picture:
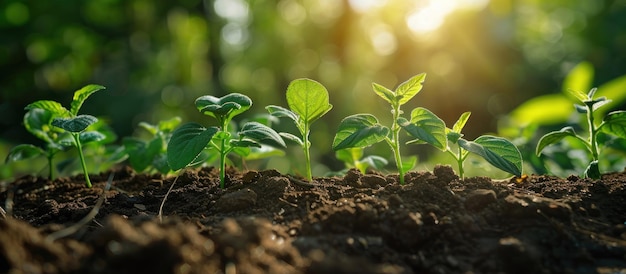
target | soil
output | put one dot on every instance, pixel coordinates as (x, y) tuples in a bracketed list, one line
[(267, 222)]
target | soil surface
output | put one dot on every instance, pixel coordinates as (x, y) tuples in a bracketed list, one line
[(267, 222)]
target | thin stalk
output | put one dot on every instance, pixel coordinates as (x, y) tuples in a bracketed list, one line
[(307, 154), (592, 133), (395, 128), (222, 162), (50, 167), (82, 158), (460, 162)]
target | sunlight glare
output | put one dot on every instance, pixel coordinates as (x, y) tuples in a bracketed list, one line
[(429, 17)]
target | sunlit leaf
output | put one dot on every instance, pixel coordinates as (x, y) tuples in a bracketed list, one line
[(264, 152), (579, 79), (81, 95), (262, 133), (278, 111), (308, 99), (554, 137), (460, 123), (74, 124), (408, 164), (427, 127), (54, 107), (407, 90), (543, 110), (615, 123), (384, 93), (359, 130), (499, 152), (291, 137), (224, 108), (187, 143)]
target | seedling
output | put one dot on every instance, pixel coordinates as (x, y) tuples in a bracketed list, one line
[(151, 154), (308, 101), (614, 123), (499, 152), (189, 140), (363, 130), (53, 113), (353, 158)]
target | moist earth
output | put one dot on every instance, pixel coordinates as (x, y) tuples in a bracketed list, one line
[(267, 222)]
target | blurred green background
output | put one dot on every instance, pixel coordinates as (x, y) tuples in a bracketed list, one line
[(156, 57)]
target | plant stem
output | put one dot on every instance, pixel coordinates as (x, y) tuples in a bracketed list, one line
[(50, 168), (306, 147), (222, 163), (82, 158), (460, 162), (395, 128), (592, 133)]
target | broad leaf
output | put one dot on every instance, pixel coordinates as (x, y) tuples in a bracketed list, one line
[(224, 108), (24, 152), (359, 130), (37, 122), (54, 107), (407, 90), (615, 123), (74, 124), (308, 99), (384, 93), (187, 143), (554, 137), (427, 127), (277, 111), (499, 152), (91, 136), (262, 133), (138, 159), (81, 95)]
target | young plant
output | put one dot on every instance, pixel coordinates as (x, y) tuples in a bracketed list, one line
[(498, 151), (308, 101), (189, 140), (613, 123), (54, 114), (151, 154), (353, 158), (362, 130)]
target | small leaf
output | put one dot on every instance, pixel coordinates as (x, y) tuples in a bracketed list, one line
[(245, 143), (427, 127), (384, 93), (308, 99), (54, 107), (359, 130), (615, 123), (81, 95), (593, 171), (169, 125), (407, 90), (598, 103), (225, 107), (74, 124), (579, 78), (138, 159), (408, 164), (262, 133), (460, 123), (499, 152), (187, 143), (375, 161), (581, 96), (264, 152), (91, 136), (349, 155), (592, 93), (24, 152), (280, 112), (291, 137), (554, 137), (37, 122)]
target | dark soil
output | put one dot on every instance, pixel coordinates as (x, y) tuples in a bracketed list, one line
[(265, 222)]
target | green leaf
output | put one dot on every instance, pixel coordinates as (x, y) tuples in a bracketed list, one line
[(187, 143), (37, 122), (375, 161), (349, 155), (593, 171), (384, 93), (91, 136), (245, 143), (579, 78), (81, 95), (262, 133), (308, 99), (426, 127), (499, 152), (169, 125), (554, 137), (542, 110), (24, 152), (579, 95), (280, 112), (264, 152), (138, 159), (407, 90), (408, 164), (224, 108), (74, 124), (615, 123), (460, 123), (54, 107), (359, 130), (291, 137)]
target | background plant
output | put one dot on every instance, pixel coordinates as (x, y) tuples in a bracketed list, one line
[(353, 158), (614, 123), (189, 140), (362, 130), (151, 154), (307, 101), (498, 151)]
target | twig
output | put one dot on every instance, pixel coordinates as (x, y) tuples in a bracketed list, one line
[(92, 214), (301, 182), (165, 198)]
